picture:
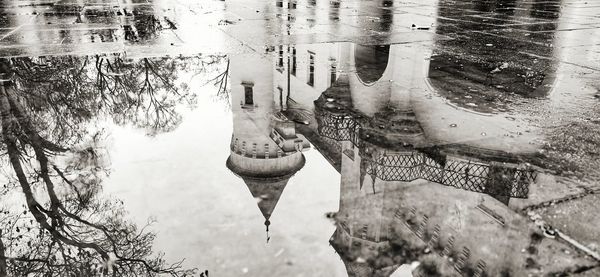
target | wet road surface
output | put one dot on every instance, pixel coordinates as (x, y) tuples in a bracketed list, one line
[(299, 138)]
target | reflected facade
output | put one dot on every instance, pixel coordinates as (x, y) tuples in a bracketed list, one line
[(404, 196)]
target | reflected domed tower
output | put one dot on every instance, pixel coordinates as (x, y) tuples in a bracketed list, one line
[(265, 149)]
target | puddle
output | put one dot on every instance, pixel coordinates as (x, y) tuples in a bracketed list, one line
[(369, 150)]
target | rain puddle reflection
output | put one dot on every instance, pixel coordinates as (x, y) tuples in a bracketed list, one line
[(461, 144)]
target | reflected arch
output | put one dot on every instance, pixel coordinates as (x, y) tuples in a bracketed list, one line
[(371, 61), (370, 68)]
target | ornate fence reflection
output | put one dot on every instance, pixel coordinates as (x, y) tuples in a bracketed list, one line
[(494, 178)]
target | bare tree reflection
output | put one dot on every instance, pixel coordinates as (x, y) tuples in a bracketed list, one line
[(66, 227), (221, 79), (73, 90)]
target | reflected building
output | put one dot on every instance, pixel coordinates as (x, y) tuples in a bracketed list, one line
[(364, 123), (386, 157), (403, 194), (410, 190), (405, 198), (266, 151)]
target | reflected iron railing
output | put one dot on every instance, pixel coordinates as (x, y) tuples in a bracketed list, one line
[(490, 178), (494, 178), (340, 127)]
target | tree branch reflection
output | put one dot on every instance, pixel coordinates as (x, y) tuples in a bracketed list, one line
[(47, 107)]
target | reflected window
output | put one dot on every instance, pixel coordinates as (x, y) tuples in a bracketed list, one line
[(332, 74), (311, 68), (280, 90), (248, 94), (292, 4), (294, 62), (280, 61)]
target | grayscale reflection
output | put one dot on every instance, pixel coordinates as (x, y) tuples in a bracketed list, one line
[(299, 138)]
